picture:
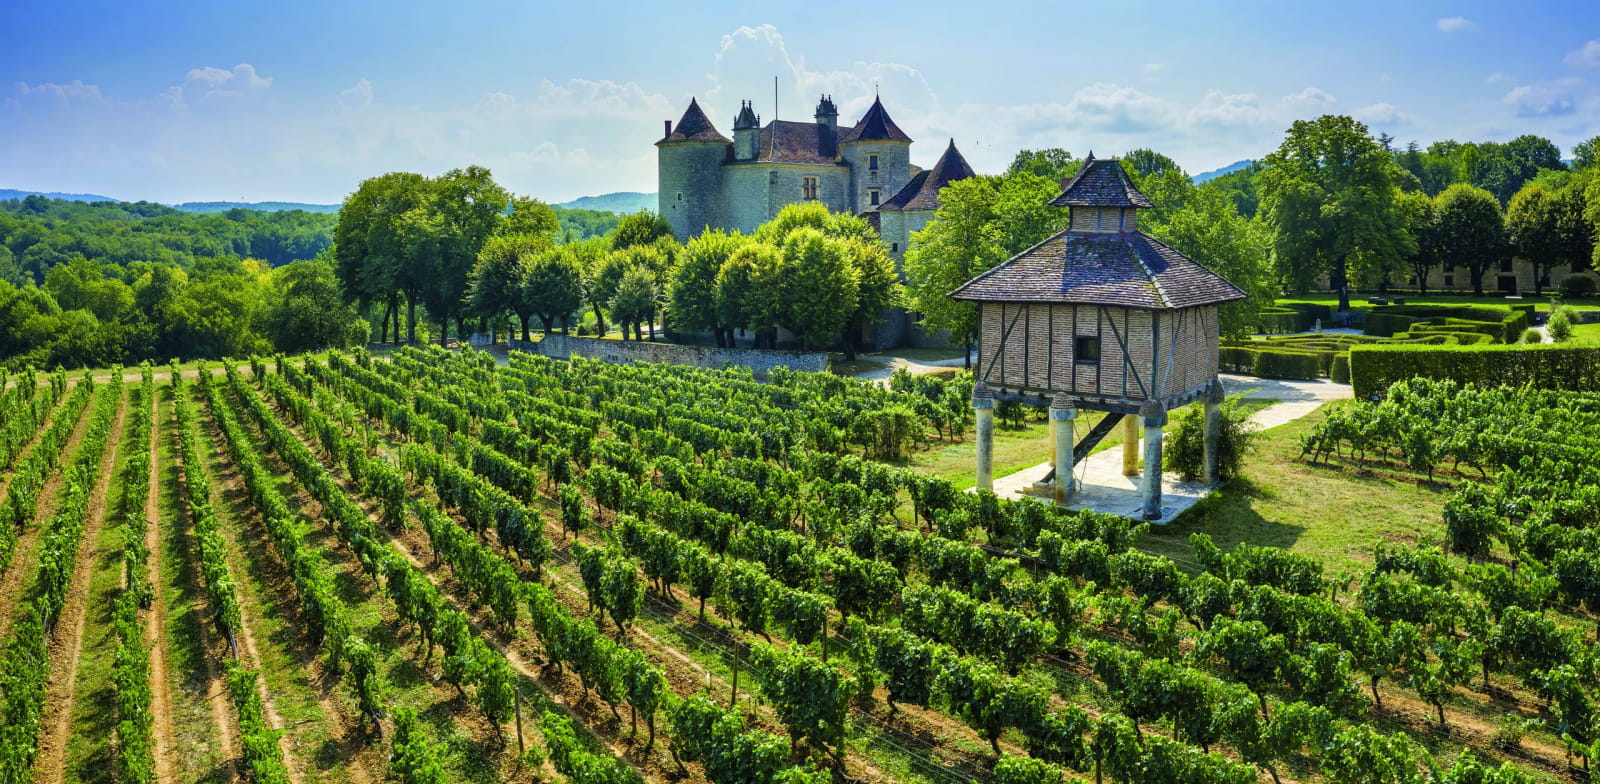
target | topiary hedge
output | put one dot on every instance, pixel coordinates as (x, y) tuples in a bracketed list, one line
[(1341, 368), (1384, 324), (1279, 321), (1374, 368)]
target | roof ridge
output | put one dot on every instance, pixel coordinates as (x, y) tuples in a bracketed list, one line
[(1154, 283)]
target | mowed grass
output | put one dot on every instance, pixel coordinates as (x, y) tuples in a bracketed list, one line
[(1493, 300), (1334, 514)]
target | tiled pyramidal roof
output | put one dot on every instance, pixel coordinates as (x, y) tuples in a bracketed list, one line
[(922, 192), (1125, 268), (1101, 183), (695, 126), (875, 125)]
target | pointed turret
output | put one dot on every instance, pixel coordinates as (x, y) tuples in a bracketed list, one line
[(694, 126), (746, 133), (747, 117), (922, 193), (875, 125)]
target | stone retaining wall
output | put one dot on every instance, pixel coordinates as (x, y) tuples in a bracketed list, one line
[(620, 352)]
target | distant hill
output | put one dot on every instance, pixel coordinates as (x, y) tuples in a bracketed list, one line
[(621, 203), (263, 206), (7, 194), (1213, 174)]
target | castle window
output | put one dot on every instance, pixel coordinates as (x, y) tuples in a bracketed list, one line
[(872, 162), (680, 196), (808, 188), (894, 247), (1086, 350), (872, 196)]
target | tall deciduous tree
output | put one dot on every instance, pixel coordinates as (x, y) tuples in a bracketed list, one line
[(1471, 230), (1416, 210), (1051, 163), (496, 284), (823, 286), (877, 287), (369, 250), (634, 302), (640, 228), (470, 209), (553, 287), (1328, 193), (692, 294)]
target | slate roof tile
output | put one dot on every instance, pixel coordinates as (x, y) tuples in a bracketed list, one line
[(922, 192), (1101, 183)]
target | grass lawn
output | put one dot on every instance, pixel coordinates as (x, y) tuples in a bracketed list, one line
[(1586, 333), (1336, 514)]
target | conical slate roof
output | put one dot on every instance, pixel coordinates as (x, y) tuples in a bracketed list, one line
[(875, 125), (695, 126), (1128, 269), (1101, 183), (922, 192)]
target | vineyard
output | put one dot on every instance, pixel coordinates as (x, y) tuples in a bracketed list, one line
[(434, 568)]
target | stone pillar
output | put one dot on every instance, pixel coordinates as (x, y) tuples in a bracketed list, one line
[(1213, 421), (1155, 418), (1130, 445), (1062, 416), (983, 405)]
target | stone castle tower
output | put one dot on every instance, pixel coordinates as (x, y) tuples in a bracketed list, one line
[(709, 181)]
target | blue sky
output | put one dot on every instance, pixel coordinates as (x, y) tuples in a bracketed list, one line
[(302, 100)]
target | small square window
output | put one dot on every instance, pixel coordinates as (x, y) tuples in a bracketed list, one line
[(1086, 350)]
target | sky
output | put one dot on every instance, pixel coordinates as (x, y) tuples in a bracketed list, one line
[(300, 101)]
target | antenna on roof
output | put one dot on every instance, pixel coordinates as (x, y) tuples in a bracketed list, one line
[(774, 117)]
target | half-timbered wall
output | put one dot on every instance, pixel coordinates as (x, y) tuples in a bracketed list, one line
[(1029, 346)]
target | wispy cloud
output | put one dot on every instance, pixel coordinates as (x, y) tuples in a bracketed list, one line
[(1455, 24), (1586, 56)]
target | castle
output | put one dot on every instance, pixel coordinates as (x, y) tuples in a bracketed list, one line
[(707, 180)]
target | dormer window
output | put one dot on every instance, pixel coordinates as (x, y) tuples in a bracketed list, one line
[(872, 164)]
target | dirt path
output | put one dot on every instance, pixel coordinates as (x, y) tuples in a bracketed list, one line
[(156, 618), (19, 572), (218, 700), (248, 653), (67, 647)]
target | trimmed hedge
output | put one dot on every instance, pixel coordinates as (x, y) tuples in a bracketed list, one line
[(1569, 368), (1341, 368), (1384, 324), (1279, 321), (1271, 363)]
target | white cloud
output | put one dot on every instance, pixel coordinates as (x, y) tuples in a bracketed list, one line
[(1455, 24), (71, 92), (1586, 56), (1382, 114), (1543, 99), (357, 97), (1497, 78), (1219, 110), (1154, 67), (1310, 97), (211, 82)]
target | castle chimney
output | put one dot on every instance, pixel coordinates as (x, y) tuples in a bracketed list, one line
[(667, 128)]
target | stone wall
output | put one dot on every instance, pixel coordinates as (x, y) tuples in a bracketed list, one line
[(759, 360)]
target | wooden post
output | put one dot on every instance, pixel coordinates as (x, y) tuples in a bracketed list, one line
[(1130, 445), (1062, 416), (983, 405), (1155, 418), (1214, 397)]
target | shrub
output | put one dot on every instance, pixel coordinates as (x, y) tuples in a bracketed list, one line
[(1574, 286), (1571, 368), (1277, 321), (1386, 324), (1185, 450), (1531, 336), (1340, 372), (1560, 324), (1286, 364)]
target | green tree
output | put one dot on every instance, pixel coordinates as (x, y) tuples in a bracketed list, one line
[(530, 216), (1417, 213), (553, 287), (470, 208), (634, 302), (692, 293), (496, 284), (640, 228), (1471, 230), (1328, 195), (1052, 163), (822, 288), (877, 287), (1144, 162), (309, 312), (369, 248), (1586, 153)]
